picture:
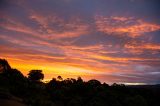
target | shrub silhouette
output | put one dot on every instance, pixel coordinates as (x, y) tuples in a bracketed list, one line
[(60, 78), (35, 75)]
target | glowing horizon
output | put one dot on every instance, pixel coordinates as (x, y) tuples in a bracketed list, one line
[(108, 40)]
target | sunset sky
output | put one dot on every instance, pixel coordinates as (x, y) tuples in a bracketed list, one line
[(109, 40)]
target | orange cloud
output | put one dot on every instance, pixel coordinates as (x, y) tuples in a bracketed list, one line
[(72, 60), (51, 66), (149, 46), (50, 27), (124, 25), (99, 56), (17, 26), (56, 27), (71, 64), (140, 48), (12, 24)]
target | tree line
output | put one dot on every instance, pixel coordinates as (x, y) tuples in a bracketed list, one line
[(73, 92)]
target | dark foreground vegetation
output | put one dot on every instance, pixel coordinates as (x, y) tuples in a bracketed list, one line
[(70, 92)]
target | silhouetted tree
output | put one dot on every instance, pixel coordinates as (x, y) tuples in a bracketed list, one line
[(79, 80), (60, 78), (14, 74), (94, 83), (52, 84), (35, 75), (4, 66), (114, 84)]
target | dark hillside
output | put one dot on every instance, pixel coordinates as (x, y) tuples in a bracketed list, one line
[(18, 90)]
